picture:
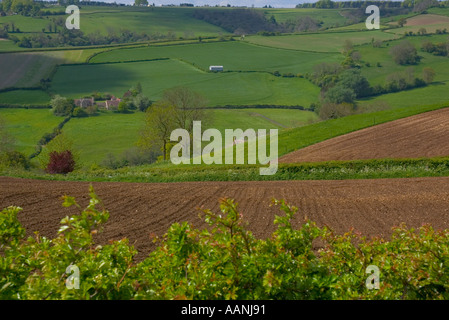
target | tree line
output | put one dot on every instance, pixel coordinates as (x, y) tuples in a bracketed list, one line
[(22, 7), (250, 21), (55, 35)]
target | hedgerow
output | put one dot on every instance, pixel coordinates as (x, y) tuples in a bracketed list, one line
[(224, 261)]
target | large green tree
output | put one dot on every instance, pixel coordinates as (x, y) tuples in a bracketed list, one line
[(353, 79), (61, 106), (405, 53), (159, 123)]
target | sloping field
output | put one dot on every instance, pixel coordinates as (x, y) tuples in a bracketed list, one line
[(27, 69), (232, 55), (137, 210), (320, 42), (156, 76), (427, 19), (431, 22), (423, 135)]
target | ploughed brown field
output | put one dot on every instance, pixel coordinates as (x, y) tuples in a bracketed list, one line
[(138, 210), (423, 135)]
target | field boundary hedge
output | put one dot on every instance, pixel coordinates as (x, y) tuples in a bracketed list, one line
[(47, 137), (112, 62), (259, 106), (330, 170)]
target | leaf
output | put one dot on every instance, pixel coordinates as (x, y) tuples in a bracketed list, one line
[(62, 229), (68, 201)]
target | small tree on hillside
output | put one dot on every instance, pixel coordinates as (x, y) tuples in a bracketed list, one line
[(61, 162), (402, 22), (340, 94), (405, 53), (61, 106), (159, 123), (59, 144)]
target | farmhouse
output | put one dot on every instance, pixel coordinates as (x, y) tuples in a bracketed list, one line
[(216, 68), (84, 102), (112, 104)]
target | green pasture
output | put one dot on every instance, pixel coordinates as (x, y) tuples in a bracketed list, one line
[(95, 137), (26, 24), (260, 118), (24, 98), (105, 20), (27, 69), (148, 20), (320, 42), (28, 126), (232, 55), (156, 76), (329, 17), (436, 93), (441, 11), (9, 45), (378, 75)]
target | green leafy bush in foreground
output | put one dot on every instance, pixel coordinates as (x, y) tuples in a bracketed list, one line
[(224, 261)]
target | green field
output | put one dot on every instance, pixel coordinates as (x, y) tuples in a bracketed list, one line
[(8, 45), (377, 75), (259, 118), (150, 21), (95, 137), (24, 98), (330, 17), (157, 76), (27, 69), (28, 126), (321, 42), (233, 55), (433, 94)]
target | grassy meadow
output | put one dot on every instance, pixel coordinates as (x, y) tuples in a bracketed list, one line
[(232, 55), (321, 42), (113, 133), (24, 98), (245, 88), (27, 126)]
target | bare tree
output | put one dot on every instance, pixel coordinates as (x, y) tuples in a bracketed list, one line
[(189, 106)]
